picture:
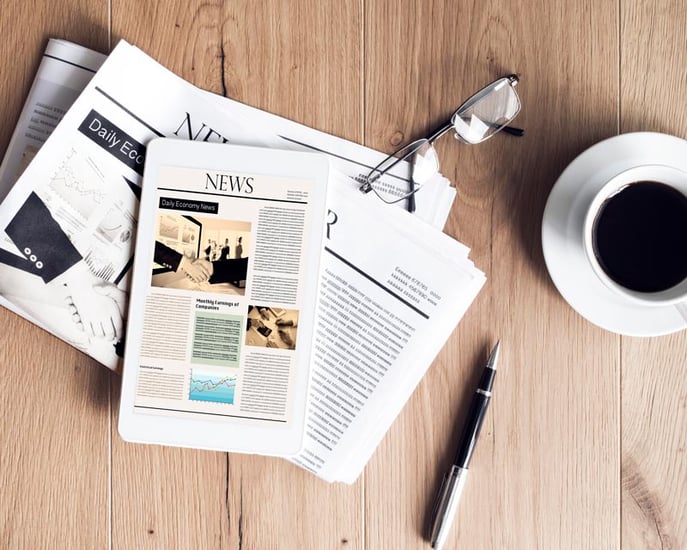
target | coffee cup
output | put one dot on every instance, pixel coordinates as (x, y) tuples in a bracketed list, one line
[(635, 235)]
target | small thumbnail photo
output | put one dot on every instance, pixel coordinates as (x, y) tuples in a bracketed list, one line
[(271, 327)]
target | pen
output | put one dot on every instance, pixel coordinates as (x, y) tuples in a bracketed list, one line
[(452, 485)]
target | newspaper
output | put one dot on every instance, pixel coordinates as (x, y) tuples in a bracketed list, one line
[(390, 296), (392, 289)]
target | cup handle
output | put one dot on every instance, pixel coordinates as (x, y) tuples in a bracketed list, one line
[(682, 309)]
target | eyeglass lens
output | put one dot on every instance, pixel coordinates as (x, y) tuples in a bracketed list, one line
[(487, 112)]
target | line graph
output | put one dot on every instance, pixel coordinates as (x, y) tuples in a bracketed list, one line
[(79, 183), (212, 387)]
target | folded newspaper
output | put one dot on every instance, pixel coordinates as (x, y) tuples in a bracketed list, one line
[(392, 286)]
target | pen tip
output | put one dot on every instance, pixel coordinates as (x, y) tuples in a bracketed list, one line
[(494, 355)]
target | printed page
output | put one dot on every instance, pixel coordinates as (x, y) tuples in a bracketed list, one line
[(391, 293)]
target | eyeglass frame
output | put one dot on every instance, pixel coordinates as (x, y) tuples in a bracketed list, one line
[(366, 186)]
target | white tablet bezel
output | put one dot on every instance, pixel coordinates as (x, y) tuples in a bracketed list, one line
[(280, 440)]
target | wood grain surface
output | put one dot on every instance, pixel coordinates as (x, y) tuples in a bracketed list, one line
[(585, 444)]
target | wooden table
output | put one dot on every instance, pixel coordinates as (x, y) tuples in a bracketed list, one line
[(585, 444)]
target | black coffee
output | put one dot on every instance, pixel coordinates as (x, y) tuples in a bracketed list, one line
[(640, 237)]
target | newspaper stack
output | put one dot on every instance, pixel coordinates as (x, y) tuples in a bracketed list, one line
[(392, 285)]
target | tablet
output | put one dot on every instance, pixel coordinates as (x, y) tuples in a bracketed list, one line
[(223, 297)]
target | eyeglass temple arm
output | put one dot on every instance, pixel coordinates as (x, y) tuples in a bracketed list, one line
[(366, 187), (513, 131)]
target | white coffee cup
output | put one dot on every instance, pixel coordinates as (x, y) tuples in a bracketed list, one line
[(673, 177)]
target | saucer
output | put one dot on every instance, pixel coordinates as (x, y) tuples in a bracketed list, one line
[(562, 232)]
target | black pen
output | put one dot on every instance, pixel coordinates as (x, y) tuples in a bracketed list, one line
[(452, 485)]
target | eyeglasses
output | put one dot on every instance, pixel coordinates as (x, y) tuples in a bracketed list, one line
[(487, 112)]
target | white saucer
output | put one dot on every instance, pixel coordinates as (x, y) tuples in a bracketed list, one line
[(562, 232)]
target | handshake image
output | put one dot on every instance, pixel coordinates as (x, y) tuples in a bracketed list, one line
[(197, 270), (180, 271)]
